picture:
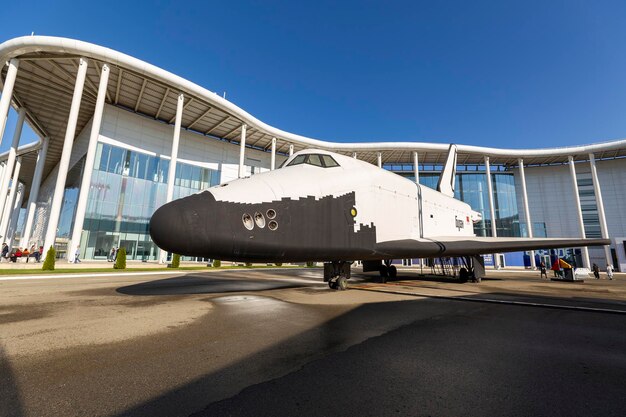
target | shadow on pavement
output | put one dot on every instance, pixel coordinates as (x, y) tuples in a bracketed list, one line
[(196, 284), (435, 359), (10, 404)]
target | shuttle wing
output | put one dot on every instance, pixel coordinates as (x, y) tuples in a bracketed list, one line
[(465, 246)]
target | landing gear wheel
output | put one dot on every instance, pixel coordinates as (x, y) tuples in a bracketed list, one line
[(464, 275), (393, 272), (342, 283), (384, 273), (332, 285)]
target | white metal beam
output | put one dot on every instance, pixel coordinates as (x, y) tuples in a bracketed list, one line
[(140, 96), (81, 204), (600, 204), (221, 122), (165, 95), (579, 212), (200, 118), (57, 199), (117, 87), (529, 223)]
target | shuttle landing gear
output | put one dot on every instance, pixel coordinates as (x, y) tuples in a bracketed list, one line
[(337, 274), (387, 271)]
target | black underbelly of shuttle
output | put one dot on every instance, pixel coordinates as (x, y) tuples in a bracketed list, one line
[(286, 230)]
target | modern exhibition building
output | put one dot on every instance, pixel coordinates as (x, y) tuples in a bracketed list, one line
[(119, 137)]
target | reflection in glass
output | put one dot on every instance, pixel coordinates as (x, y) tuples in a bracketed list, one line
[(126, 188)]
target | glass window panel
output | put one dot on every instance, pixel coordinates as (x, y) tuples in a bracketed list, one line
[(152, 172), (185, 175), (297, 160), (329, 161), (142, 165), (196, 177), (116, 160), (314, 160), (104, 158), (178, 175), (164, 167)]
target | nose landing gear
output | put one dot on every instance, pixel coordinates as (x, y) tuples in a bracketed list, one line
[(337, 274)]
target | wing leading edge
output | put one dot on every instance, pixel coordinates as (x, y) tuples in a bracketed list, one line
[(465, 246)]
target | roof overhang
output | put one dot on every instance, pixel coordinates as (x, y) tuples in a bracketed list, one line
[(47, 73)]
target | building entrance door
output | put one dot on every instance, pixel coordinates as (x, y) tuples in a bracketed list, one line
[(131, 248)]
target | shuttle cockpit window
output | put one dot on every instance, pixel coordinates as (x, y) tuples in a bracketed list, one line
[(322, 161), (329, 161), (314, 160)]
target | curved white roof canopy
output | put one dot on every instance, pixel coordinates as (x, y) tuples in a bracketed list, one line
[(45, 83)]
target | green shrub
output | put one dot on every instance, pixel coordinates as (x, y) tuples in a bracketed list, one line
[(120, 262), (48, 263), (310, 264), (217, 263), (175, 260), (248, 264), (278, 264)]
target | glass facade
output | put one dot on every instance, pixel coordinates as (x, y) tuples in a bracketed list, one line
[(126, 188), (471, 187), (588, 205)]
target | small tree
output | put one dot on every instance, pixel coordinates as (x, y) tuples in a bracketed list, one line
[(310, 264), (175, 260), (48, 263), (217, 263), (120, 261), (278, 264), (248, 264)]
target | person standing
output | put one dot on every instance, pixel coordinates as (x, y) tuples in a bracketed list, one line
[(596, 271), (609, 271), (77, 255), (542, 268), (111, 257)]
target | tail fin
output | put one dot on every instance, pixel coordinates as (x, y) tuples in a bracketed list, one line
[(446, 180)]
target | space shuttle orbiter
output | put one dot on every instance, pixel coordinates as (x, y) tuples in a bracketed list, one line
[(325, 207)]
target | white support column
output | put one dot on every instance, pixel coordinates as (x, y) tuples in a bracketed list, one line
[(15, 213), (492, 211), (273, 158), (171, 174), (529, 223), (31, 206), (242, 152), (380, 160), (2, 169), (290, 149), (416, 169), (600, 204), (354, 155), (4, 187), (81, 204), (64, 163), (8, 207), (7, 94), (579, 212)]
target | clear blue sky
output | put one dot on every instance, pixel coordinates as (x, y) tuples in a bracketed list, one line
[(494, 73)]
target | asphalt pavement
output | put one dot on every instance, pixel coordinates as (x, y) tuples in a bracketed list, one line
[(280, 343)]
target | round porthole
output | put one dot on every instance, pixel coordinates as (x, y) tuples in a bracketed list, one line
[(259, 220), (247, 221), (273, 225), (271, 214), (353, 211)]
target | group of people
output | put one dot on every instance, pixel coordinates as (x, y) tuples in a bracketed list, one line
[(596, 271), (560, 264), (15, 254)]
